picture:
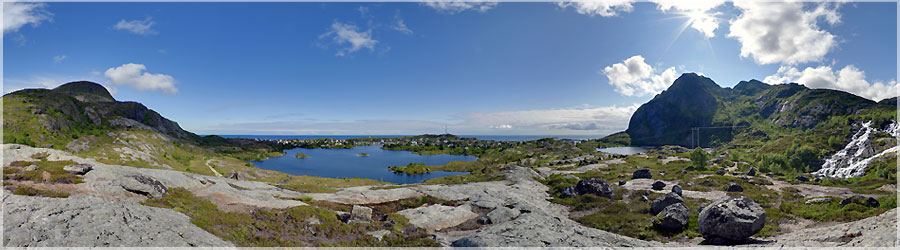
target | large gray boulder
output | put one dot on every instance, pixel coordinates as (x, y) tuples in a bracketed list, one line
[(732, 219), (659, 204), (361, 213), (734, 187), (674, 217), (595, 186)]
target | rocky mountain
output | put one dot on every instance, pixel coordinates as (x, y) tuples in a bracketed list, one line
[(694, 101), (83, 117)]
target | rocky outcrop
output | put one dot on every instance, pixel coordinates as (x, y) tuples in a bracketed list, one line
[(87, 221), (733, 219), (79, 169), (538, 229)]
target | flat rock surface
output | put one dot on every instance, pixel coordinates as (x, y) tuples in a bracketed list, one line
[(87, 221), (877, 231), (437, 216)]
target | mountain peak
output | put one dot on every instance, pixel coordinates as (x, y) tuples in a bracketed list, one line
[(751, 87), (86, 91)]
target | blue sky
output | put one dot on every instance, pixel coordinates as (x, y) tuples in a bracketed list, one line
[(575, 68)]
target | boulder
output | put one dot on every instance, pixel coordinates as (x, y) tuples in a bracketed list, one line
[(378, 234), (662, 173), (720, 172), (731, 219), (644, 198), (642, 174), (437, 216), (862, 200), (144, 185), (79, 169), (658, 185), (499, 215), (734, 187), (818, 200), (361, 213), (751, 172), (676, 189), (595, 186), (674, 217), (622, 182), (664, 201), (802, 178)]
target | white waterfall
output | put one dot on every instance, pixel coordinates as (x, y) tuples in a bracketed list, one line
[(853, 159)]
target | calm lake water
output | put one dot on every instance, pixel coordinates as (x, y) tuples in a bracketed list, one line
[(340, 163), (623, 150)]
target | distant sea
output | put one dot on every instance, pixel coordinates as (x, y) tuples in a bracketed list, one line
[(480, 137)]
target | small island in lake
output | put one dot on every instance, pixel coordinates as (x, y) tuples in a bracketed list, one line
[(301, 156), (362, 154), (411, 169)]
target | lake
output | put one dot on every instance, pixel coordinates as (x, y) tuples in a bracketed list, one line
[(623, 150), (341, 163)]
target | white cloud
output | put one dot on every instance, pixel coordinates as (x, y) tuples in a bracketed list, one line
[(400, 25), (697, 11), (59, 58), (849, 79), (349, 34), (457, 6), (783, 32), (597, 119), (17, 14), (133, 75), (634, 77), (605, 8), (140, 27)]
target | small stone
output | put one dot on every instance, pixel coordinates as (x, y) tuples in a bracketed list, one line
[(751, 172), (361, 213), (378, 234), (31, 167), (818, 200), (569, 192), (658, 185), (622, 182), (644, 198), (802, 178), (676, 189), (79, 169), (720, 172), (662, 173)]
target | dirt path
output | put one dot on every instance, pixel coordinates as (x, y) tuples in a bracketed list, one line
[(212, 169)]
